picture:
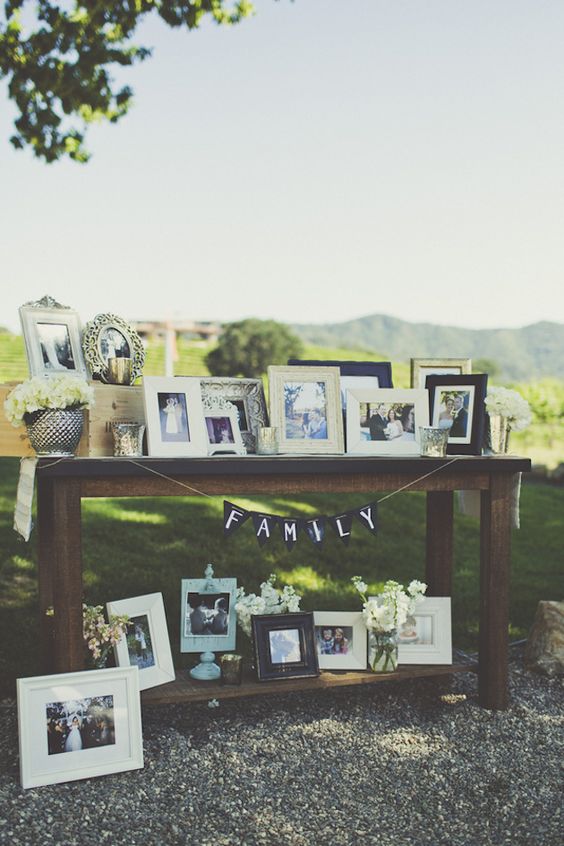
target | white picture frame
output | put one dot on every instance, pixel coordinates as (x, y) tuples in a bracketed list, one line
[(422, 367), (305, 407), (79, 725), (376, 424), (174, 417), (247, 395), (353, 628), (146, 644), (431, 641), (221, 419), (53, 339)]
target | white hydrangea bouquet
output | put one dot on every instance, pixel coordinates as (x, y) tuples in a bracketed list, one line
[(511, 405), (270, 601), (40, 393), (383, 615)]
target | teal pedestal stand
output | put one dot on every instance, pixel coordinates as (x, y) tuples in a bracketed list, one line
[(207, 669)]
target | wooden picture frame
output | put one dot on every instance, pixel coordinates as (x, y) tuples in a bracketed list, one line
[(423, 367), (305, 408), (426, 636), (146, 643), (346, 646), (285, 646), (386, 421), (95, 715), (460, 398), (174, 417), (53, 339)]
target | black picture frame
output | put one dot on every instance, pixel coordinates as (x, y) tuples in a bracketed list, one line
[(476, 421), (381, 369), (296, 631)]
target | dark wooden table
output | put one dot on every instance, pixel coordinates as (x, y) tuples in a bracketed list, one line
[(63, 484)]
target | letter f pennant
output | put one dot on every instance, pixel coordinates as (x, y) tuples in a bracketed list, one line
[(233, 517)]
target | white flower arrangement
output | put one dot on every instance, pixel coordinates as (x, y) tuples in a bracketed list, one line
[(271, 601), (41, 393), (100, 636), (385, 613), (509, 404)]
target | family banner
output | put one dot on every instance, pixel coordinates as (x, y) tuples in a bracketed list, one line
[(266, 526)]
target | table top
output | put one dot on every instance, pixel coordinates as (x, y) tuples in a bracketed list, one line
[(281, 465)]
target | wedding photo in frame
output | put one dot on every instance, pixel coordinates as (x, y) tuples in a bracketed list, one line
[(423, 367), (285, 646), (222, 427), (109, 336), (146, 643), (208, 622), (340, 640), (385, 421), (79, 725), (247, 395), (426, 635), (456, 403), (53, 339), (305, 407), (174, 417)]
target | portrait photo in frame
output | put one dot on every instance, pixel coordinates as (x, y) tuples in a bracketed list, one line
[(53, 339), (284, 645), (457, 403), (305, 407), (354, 375), (79, 725), (208, 622), (426, 635), (247, 395), (222, 427), (386, 421), (174, 417), (340, 640), (146, 643), (109, 336), (423, 367)]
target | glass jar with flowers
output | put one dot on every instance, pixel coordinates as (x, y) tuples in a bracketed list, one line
[(506, 410), (52, 409), (383, 615)]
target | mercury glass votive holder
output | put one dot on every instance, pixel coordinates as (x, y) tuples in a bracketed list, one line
[(231, 668), (433, 441), (119, 371), (128, 438), (267, 440)]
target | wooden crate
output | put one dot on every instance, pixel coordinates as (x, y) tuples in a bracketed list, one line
[(112, 402)]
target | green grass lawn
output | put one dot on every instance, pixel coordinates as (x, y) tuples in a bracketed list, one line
[(137, 546)]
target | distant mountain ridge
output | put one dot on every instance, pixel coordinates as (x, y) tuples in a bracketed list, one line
[(524, 354)]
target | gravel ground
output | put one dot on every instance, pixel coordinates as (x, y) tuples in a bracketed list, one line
[(392, 765)]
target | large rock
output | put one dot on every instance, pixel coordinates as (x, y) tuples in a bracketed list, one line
[(545, 646)]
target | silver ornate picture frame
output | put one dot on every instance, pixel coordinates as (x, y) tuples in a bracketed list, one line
[(247, 395), (52, 335), (109, 336)]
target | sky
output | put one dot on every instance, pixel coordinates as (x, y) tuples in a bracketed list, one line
[(319, 162)]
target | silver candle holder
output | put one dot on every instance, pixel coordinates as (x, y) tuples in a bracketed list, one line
[(433, 441), (267, 440), (128, 438)]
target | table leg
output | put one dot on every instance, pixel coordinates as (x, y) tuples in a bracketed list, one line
[(45, 527), (495, 556), (68, 644), (438, 570)]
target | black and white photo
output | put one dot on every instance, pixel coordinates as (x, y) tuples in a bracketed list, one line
[(113, 344), (173, 417), (207, 615), (52, 334), (284, 646), (55, 347)]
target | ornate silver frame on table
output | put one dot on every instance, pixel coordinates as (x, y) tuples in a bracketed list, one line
[(248, 397), (100, 338), (52, 335)]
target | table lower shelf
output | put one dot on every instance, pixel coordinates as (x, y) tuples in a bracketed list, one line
[(186, 689)]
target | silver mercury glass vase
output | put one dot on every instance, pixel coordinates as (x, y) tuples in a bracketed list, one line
[(55, 431), (497, 434)]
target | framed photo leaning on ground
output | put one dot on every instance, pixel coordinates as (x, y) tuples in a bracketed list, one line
[(53, 339), (79, 725), (174, 417), (285, 645), (423, 367), (426, 637), (385, 421), (340, 640), (456, 403), (305, 407), (146, 643)]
